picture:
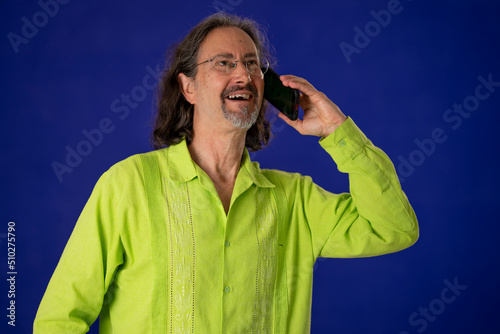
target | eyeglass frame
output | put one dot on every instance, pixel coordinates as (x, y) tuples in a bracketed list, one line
[(244, 62)]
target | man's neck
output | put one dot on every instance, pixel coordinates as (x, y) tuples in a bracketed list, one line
[(219, 155)]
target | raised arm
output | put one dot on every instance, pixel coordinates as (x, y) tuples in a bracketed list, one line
[(375, 217)]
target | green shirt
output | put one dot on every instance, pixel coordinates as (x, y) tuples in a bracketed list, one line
[(154, 252)]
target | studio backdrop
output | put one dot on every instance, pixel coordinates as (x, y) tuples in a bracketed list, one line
[(421, 78)]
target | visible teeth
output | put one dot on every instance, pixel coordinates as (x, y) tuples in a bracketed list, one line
[(239, 96)]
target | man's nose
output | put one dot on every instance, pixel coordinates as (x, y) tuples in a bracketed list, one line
[(241, 73)]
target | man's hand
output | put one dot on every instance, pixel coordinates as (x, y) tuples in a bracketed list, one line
[(321, 115)]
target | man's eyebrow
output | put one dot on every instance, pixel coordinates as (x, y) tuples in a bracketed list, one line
[(246, 55), (224, 55), (250, 54)]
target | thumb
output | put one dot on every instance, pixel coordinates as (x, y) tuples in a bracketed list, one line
[(297, 124)]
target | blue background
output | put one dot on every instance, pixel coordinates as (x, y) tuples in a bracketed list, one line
[(397, 88)]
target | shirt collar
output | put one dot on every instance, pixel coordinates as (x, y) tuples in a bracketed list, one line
[(252, 168), (182, 168)]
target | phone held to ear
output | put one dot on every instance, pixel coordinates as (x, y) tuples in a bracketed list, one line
[(283, 98)]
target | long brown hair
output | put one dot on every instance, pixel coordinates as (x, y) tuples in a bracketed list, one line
[(174, 117)]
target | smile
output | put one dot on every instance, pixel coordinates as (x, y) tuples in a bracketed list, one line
[(239, 97)]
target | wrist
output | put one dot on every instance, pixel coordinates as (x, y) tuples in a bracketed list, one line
[(333, 126)]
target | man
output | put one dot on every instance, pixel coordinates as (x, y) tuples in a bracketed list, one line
[(196, 238)]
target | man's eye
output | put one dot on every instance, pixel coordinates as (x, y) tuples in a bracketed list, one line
[(222, 63), (253, 62)]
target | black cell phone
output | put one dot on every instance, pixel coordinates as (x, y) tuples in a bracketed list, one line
[(283, 98)]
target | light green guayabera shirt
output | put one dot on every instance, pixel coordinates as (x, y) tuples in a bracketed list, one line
[(154, 252)]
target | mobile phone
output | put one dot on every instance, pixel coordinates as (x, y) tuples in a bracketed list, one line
[(285, 99)]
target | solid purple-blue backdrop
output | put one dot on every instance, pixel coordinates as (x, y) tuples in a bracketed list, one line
[(398, 85)]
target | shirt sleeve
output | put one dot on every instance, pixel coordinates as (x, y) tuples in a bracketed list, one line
[(75, 294), (374, 218)]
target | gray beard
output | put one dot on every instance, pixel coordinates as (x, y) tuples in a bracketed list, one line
[(243, 119)]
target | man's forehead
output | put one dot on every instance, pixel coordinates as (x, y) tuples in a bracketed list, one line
[(227, 41)]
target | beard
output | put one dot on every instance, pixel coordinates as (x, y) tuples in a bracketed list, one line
[(245, 117)]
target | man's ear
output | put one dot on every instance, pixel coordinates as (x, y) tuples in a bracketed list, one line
[(186, 85)]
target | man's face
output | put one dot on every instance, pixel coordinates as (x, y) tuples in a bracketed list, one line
[(227, 99)]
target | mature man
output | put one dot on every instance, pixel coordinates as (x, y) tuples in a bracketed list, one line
[(196, 238)]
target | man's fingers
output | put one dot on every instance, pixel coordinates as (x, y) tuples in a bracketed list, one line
[(298, 83)]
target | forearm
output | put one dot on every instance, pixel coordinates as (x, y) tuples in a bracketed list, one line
[(378, 218)]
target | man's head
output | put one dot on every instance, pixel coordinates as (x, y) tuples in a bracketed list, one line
[(192, 78), (226, 92)]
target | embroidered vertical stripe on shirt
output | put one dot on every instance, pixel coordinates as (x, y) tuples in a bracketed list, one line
[(182, 247), (266, 261)]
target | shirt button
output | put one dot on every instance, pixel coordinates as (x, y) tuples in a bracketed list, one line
[(227, 289), (342, 142), (227, 243)]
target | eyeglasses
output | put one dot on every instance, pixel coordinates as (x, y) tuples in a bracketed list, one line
[(227, 64)]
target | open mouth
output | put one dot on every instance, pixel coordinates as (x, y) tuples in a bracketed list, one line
[(239, 97)]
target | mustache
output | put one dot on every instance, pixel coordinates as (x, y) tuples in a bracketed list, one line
[(232, 89)]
